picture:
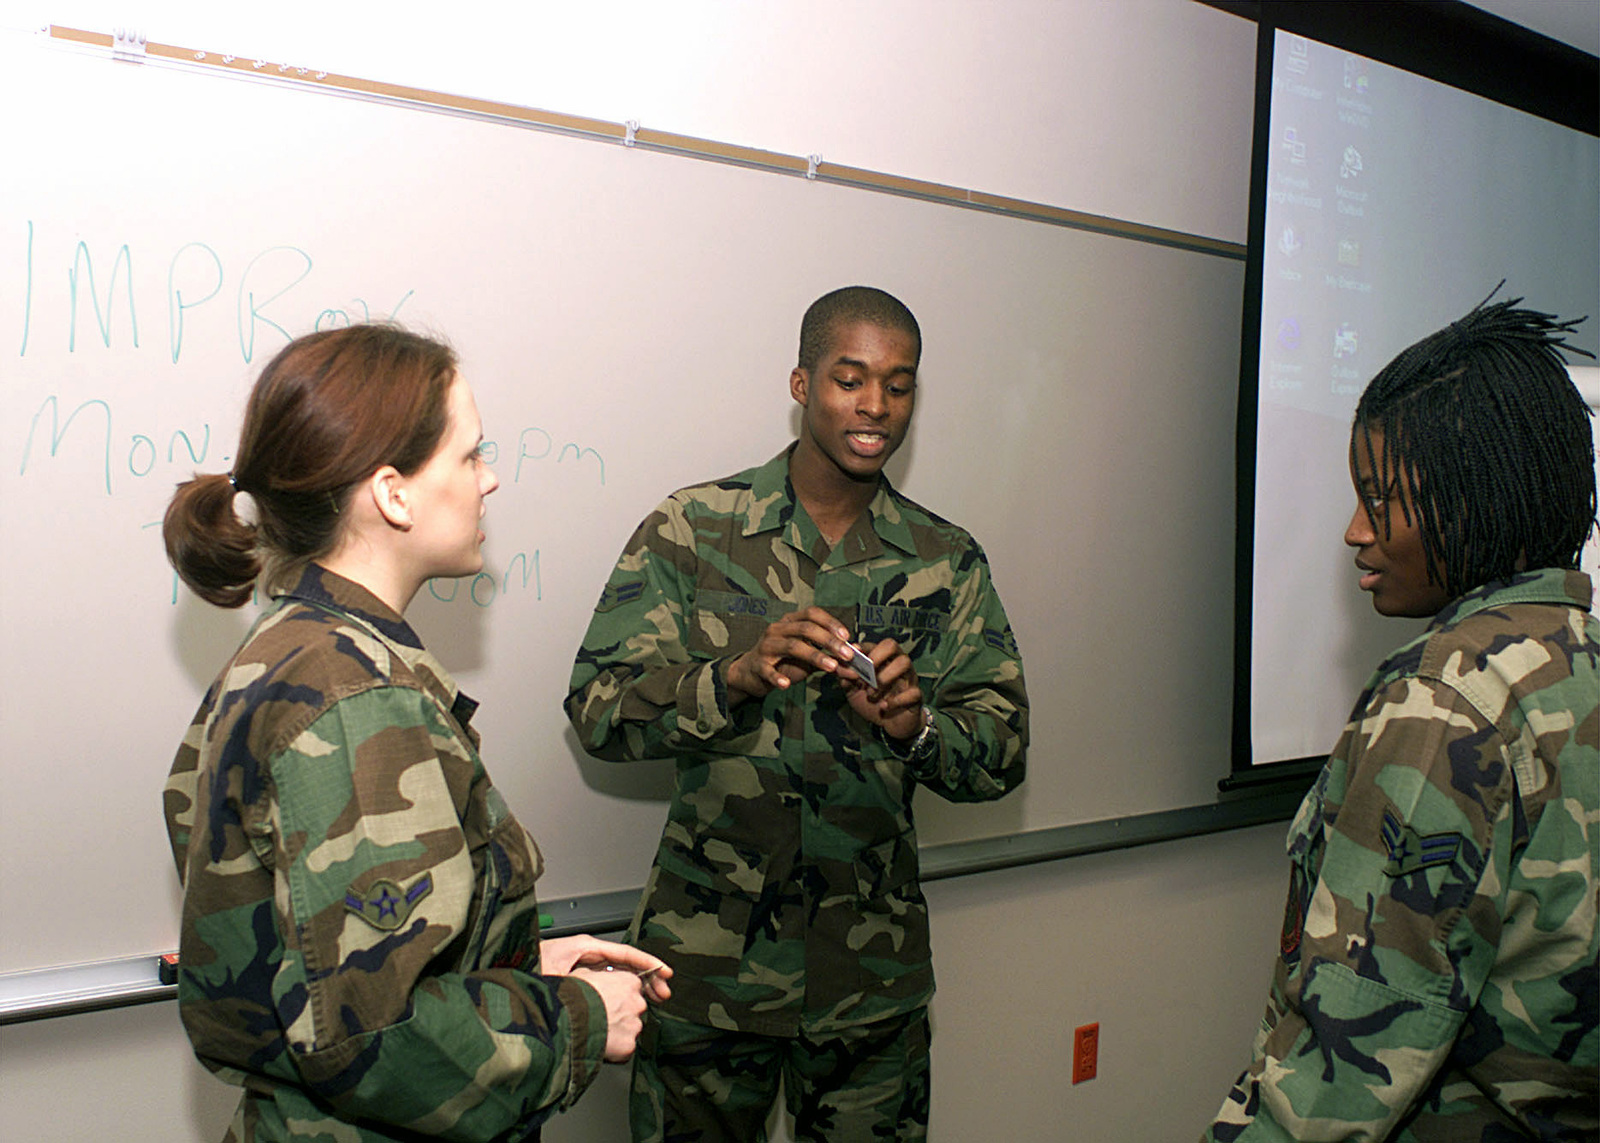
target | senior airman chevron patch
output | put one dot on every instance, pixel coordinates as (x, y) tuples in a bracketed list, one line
[(615, 595), (1409, 851)]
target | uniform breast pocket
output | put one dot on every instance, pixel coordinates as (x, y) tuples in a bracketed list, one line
[(715, 632)]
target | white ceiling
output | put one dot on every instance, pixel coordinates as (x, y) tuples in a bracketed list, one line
[(1575, 22)]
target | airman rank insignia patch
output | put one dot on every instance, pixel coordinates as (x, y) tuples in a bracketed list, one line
[(1409, 851), (1002, 641), (386, 906), (616, 594)]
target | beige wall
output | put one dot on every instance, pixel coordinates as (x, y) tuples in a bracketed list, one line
[(1168, 947)]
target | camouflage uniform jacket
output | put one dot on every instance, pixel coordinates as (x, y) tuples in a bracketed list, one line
[(1437, 977), (360, 933), (785, 891)]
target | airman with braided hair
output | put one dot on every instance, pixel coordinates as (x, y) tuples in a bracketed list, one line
[(1437, 972)]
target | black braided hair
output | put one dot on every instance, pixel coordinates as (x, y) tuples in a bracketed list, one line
[(847, 306), (1491, 437)]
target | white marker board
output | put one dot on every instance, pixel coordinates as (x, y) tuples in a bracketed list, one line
[(628, 321)]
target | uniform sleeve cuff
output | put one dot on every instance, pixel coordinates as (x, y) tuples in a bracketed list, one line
[(586, 1031), (920, 753), (702, 701)]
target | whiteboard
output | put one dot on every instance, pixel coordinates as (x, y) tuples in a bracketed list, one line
[(628, 321)]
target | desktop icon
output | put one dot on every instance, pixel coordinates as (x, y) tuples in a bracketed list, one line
[(1292, 144), (1295, 63), (1355, 75)]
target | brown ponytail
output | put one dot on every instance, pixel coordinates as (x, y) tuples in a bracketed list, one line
[(213, 550), (328, 411)]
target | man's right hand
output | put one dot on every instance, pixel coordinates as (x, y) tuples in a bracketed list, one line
[(791, 648)]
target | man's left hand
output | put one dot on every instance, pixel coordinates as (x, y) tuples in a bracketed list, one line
[(895, 704)]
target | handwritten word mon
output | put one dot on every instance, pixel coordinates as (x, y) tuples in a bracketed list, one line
[(268, 294), (140, 454), (90, 431)]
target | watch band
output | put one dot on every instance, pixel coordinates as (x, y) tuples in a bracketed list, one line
[(927, 741)]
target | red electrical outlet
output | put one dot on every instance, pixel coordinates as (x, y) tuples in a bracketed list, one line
[(1085, 1052)]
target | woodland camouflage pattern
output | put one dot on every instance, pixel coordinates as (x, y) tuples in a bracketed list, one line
[(360, 932), (785, 892), (1437, 977), (870, 1082)]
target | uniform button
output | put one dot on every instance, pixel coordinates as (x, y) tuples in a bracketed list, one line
[(704, 726)]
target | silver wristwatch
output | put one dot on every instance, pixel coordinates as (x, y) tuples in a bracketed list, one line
[(927, 741)]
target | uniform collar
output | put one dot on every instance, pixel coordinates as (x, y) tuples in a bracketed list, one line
[(1546, 585), (330, 591), (776, 508)]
